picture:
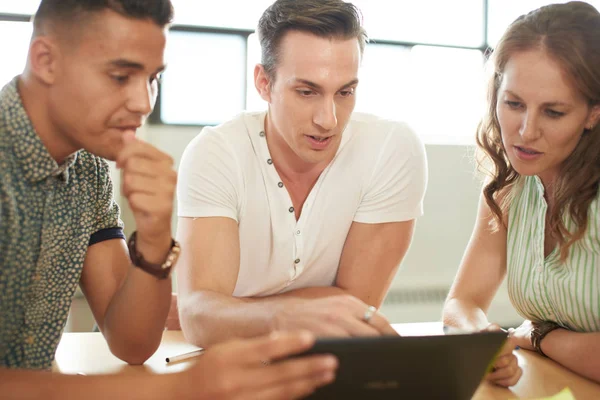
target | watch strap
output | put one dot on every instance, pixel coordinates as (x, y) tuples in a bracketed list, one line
[(539, 332), (160, 271)]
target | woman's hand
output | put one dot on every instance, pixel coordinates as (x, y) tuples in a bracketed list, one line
[(507, 371), (522, 335)]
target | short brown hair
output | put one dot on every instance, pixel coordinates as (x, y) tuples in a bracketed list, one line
[(323, 18)]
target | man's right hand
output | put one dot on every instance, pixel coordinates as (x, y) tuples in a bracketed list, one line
[(258, 369), (339, 316)]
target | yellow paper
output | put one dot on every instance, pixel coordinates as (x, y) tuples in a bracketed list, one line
[(564, 394)]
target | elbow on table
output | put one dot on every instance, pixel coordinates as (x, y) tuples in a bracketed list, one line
[(134, 352)]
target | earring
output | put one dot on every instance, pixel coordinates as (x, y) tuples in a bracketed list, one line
[(589, 128)]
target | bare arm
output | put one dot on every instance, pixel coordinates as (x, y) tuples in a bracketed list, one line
[(208, 272), (578, 351), (371, 257), (130, 306), (480, 274), (24, 385), (230, 371)]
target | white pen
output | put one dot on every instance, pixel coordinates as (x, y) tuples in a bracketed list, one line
[(185, 356)]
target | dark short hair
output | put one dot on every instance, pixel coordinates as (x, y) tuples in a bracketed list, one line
[(323, 18), (66, 12)]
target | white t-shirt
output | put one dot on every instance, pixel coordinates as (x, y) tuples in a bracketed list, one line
[(378, 175)]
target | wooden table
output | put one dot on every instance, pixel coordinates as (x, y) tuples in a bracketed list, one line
[(88, 353)]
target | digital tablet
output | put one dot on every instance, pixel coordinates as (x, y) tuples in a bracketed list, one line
[(411, 367)]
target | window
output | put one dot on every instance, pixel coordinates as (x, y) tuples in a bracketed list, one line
[(437, 90), (442, 22), (231, 14), (502, 12), (205, 77), (23, 7), (424, 64), (18, 46)]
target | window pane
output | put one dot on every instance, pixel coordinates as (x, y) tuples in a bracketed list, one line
[(384, 81), (253, 100), (438, 91), (19, 6), (456, 22), (238, 14), (205, 79), (18, 47), (501, 13)]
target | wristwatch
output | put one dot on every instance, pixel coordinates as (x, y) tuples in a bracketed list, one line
[(161, 271), (539, 332)]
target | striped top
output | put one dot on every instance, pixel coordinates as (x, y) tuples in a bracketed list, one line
[(544, 289)]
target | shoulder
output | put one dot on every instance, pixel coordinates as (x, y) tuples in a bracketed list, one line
[(384, 132), (230, 134), (91, 169)]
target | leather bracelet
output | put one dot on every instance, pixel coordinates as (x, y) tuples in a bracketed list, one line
[(160, 271), (539, 332)]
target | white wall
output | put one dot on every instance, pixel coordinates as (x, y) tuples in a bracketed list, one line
[(441, 234)]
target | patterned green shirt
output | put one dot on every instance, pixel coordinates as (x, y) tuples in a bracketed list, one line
[(544, 288), (49, 215)]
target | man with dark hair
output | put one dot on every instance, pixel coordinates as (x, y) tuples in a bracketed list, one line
[(89, 84), (300, 216)]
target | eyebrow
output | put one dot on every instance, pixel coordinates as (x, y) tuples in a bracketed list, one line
[(319, 87), (123, 63), (548, 104)]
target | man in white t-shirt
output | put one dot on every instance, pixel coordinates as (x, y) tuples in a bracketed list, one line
[(297, 217)]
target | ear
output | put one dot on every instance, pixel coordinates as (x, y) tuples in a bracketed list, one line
[(262, 82), (43, 59), (594, 117)]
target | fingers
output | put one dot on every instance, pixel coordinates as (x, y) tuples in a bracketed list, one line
[(506, 371), (352, 326), (310, 367), (493, 327), (273, 347), (511, 381), (146, 167), (294, 390), (383, 326), (148, 204), (509, 346), (135, 148)]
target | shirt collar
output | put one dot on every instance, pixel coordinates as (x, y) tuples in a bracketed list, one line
[(36, 162)]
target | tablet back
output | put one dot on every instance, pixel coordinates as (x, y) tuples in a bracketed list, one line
[(416, 367)]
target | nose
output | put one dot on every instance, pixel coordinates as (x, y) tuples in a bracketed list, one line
[(529, 129), (141, 98), (325, 117)]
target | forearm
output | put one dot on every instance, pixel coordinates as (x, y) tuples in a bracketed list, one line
[(135, 318), (464, 315), (209, 317), (580, 352), (24, 385)]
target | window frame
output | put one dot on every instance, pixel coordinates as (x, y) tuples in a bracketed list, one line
[(155, 116)]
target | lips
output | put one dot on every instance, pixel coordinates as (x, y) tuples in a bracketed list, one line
[(318, 142), (528, 150)]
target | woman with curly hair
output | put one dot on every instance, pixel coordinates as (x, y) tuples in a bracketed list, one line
[(539, 217)]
